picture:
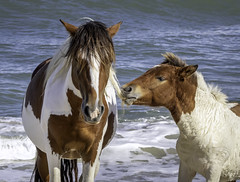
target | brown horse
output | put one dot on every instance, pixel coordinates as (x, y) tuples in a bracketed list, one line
[(209, 141), (69, 110)]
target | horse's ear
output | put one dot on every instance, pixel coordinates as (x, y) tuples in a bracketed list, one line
[(114, 29), (70, 28), (187, 71)]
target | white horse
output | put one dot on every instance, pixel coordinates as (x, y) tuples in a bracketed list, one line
[(209, 141), (69, 110)]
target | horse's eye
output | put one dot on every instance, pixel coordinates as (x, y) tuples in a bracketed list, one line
[(161, 78)]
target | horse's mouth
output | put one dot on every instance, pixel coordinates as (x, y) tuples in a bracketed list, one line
[(92, 121), (129, 100), (128, 96)]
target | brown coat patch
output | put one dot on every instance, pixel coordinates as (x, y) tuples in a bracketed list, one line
[(109, 133), (186, 92), (236, 110), (35, 91), (72, 136), (40, 66)]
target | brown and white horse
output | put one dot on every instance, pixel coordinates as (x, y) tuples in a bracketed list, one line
[(209, 141), (69, 110)]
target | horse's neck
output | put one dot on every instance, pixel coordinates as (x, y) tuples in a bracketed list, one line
[(207, 115), (61, 80), (112, 87), (202, 113), (114, 82), (184, 100), (110, 93)]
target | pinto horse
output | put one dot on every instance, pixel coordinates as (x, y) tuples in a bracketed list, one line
[(69, 110), (209, 140)]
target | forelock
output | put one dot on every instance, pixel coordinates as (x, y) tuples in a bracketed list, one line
[(172, 59), (91, 40)]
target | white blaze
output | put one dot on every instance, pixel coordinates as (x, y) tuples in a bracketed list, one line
[(94, 74)]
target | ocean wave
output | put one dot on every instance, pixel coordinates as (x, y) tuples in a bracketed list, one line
[(14, 144), (16, 148), (144, 137)]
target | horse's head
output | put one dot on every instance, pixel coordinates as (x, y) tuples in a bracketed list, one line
[(92, 53), (160, 85)]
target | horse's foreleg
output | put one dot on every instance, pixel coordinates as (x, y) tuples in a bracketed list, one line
[(54, 164), (89, 171), (216, 162), (185, 174), (42, 165), (56, 175), (97, 167), (214, 173)]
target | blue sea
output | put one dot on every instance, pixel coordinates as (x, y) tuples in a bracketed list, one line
[(203, 32)]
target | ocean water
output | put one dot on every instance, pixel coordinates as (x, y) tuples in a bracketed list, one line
[(203, 32)]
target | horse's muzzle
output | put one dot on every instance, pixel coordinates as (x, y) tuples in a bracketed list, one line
[(128, 95), (93, 116)]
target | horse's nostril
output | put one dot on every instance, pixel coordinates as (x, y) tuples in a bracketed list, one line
[(128, 89), (101, 109), (86, 111)]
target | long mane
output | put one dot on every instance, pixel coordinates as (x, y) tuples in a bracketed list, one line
[(90, 41)]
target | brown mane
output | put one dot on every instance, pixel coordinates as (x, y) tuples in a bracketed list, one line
[(91, 40), (173, 60)]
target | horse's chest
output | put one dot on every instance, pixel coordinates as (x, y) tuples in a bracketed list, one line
[(197, 153), (191, 154), (71, 134), (198, 157), (231, 168)]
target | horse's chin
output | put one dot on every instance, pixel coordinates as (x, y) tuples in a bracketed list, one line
[(92, 121)]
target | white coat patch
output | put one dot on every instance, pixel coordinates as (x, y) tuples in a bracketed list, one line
[(209, 136)]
